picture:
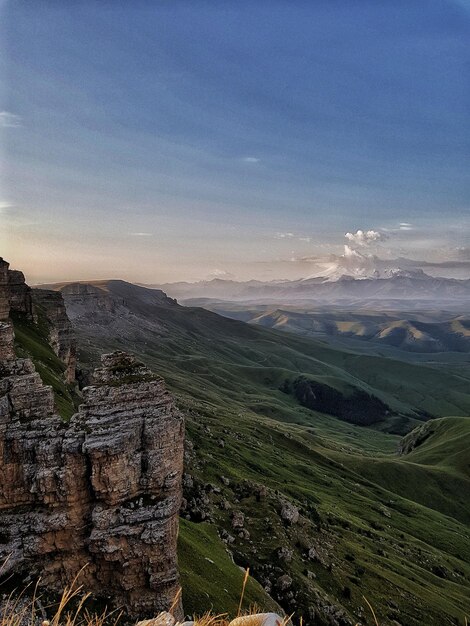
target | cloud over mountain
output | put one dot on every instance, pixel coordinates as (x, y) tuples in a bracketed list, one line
[(366, 237)]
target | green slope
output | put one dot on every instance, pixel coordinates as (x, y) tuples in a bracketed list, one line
[(210, 579), (201, 353), (31, 341), (391, 528), (435, 472), (379, 543), (444, 443)]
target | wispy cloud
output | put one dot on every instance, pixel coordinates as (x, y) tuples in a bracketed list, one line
[(251, 159), (284, 236), (9, 120), (4, 206), (218, 273), (396, 229), (406, 226), (288, 235), (366, 237), (463, 253), (141, 234)]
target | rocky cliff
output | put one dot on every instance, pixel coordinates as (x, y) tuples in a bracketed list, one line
[(4, 291), (20, 297), (102, 491), (60, 332), (39, 305)]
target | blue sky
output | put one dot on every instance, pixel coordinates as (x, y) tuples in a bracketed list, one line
[(176, 140)]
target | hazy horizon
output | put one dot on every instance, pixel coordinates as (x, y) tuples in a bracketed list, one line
[(166, 142)]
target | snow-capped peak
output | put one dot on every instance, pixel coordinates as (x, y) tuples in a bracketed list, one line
[(353, 264)]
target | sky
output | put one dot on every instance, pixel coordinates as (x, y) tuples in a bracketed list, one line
[(181, 140)]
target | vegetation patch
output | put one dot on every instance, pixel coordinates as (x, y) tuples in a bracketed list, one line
[(359, 407), (31, 341), (210, 579)]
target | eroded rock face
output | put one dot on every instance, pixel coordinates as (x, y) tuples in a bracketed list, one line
[(416, 437), (102, 492), (17, 297), (20, 294), (61, 335), (4, 291)]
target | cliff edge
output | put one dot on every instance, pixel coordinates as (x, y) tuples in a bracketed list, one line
[(101, 492)]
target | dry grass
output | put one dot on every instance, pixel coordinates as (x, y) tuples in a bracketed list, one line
[(372, 611), (21, 609)]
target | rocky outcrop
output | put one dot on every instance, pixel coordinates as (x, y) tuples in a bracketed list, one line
[(20, 294), (117, 310), (416, 437), (18, 298), (7, 352), (102, 492), (4, 292), (61, 335)]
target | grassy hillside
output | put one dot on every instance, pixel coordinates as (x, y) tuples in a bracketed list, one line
[(370, 538), (416, 336), (201, 353), (415, 332), (31, 341), (210, 579), (436, 473), (447, 444), (392, 528)]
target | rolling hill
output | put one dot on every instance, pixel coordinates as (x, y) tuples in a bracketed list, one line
[(249, 363), (322, 510), (419, 332)]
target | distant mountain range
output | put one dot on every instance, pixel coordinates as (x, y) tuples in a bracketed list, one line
[(351, 280), (392, 287), (389, 306), (360, 264), (352, 296), (355, 264)]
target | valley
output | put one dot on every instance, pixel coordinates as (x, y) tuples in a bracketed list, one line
[(395, 332), (322, 510), (235, 313)]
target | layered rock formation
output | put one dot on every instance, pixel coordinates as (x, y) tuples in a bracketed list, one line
[(102, 492), (116, 309), (19, 293), (16, 296), (61, 335), (4, 291)]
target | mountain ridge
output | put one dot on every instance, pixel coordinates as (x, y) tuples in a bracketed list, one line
[(256, 451), (399, 286), (152, 317)]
